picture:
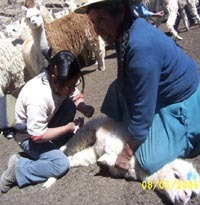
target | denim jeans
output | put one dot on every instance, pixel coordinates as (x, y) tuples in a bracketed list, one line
[(45, 159)]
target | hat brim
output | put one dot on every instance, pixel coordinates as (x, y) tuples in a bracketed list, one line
[(83, 9)]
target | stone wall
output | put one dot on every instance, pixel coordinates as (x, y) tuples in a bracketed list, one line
[(3, 3)]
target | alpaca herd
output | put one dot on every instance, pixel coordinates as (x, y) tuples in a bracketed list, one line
[(33, 30)]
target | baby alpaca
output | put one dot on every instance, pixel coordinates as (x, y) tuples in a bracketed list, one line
[(103, 139), (18, 29)]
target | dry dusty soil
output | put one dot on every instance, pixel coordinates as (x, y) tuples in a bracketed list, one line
[(88, 185)]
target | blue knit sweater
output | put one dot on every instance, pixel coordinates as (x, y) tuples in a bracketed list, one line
[(158, 73)]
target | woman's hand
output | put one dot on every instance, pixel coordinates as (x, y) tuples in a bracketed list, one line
[(124, 158)]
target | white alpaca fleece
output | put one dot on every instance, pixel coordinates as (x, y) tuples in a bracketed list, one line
[(32, 48), (104, 140), (11, 67), (2, 35)]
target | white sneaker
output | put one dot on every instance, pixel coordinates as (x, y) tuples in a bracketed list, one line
[(8, 179)]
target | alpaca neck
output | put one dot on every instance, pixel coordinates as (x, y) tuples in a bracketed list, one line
[(39, 38)]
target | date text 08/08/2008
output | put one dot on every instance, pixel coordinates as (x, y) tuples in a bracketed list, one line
[(170, 184)]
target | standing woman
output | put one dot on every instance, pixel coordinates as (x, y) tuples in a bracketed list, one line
[(45, 113), (157, 87)]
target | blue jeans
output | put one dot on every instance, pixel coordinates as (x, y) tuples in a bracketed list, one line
[(45, 159)]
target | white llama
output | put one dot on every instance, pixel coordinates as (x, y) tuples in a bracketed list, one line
[(102, 139), (33, 48)]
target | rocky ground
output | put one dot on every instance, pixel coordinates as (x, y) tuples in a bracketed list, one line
[(88, 185)]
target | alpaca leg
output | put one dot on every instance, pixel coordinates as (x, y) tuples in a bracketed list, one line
[(85, 53), (102, 54), (171, 22), (99, 52), (83, 158), (49, 183), (193, 10), (107, 159), (185, 19)]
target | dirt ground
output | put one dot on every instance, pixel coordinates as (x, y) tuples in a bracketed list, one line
[(87, 185)]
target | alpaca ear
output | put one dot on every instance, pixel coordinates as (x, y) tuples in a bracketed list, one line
[(37, 7), (24, 8), (18, 22), (3, 26), (39, 3)]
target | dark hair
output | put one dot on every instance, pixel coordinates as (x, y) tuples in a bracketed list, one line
[(67, 64)]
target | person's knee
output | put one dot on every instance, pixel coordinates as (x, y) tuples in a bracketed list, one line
[(149, 166), (61, 164)]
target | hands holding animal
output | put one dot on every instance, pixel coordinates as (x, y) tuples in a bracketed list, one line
[(124, 158), (78, 124)]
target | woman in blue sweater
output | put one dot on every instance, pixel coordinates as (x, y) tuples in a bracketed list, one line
[(157, 87)]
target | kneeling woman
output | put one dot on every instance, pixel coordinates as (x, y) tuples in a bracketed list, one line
[(157, 91)]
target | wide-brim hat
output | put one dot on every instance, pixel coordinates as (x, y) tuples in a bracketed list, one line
[(83, 8)]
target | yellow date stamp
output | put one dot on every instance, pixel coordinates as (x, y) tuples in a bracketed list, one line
[(170, 184)]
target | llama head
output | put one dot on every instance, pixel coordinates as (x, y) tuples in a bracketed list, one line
[(17, 29), (179, 180), (13, 29), (33, 17)]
